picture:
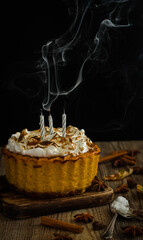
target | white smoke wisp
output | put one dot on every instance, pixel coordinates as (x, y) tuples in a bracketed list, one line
[(54, 55), (58, 53)]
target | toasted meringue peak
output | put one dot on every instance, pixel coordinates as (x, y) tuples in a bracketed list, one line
[(30, 143)]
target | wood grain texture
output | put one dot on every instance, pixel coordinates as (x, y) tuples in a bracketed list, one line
[(31, 229), (18, 206)]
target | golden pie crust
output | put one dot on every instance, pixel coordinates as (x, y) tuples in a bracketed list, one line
[(51, 177)]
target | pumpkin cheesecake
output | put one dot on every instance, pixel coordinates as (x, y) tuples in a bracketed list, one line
[(54, 167)]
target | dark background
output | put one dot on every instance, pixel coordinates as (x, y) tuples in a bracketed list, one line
[(109, 102)]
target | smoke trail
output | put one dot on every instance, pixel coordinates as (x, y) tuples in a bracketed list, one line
[(93, 45), (55, 54)]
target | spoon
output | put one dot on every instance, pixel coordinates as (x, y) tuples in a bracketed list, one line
[(131, 213), (108, 234), (122, 208)]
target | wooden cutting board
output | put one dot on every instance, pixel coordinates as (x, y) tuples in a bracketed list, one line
[(15, 205)]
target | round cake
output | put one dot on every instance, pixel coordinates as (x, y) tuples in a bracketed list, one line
[(55, 167)]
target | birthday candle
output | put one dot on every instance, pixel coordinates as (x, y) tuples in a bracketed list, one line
[(42, 126), (50, 124), (64, 125)]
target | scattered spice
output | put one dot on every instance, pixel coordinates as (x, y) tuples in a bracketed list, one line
[(139, 188), (129, 156), (83, 217), (122, 189), (123, 161), (132, 230), (133, 152), (131, 183), (138, 214), (62, 237), (138, 170), (120, 175), (113, 155), (98, 225), (118, 163), (98, 185), (54, 223)]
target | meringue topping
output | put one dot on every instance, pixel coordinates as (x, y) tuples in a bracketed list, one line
[(30, 143)]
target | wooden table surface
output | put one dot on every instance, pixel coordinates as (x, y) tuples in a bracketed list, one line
[(31, 228)]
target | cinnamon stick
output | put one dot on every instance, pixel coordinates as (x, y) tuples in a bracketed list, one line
[(112, 156), (54, 223), (129, 157), (128, 160)]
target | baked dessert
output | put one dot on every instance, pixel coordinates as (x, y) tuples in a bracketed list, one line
[(54, 167)]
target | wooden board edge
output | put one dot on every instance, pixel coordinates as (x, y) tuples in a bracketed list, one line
[(35, 209)]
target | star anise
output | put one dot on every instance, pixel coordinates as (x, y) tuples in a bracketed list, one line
[(133, 152), (138, 214), (131, 183), (98, 225), (132, 230), (83, 217), (138, 170), (118, 162), (62, 237), (98, 185), (123, 161), (122, 189)]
